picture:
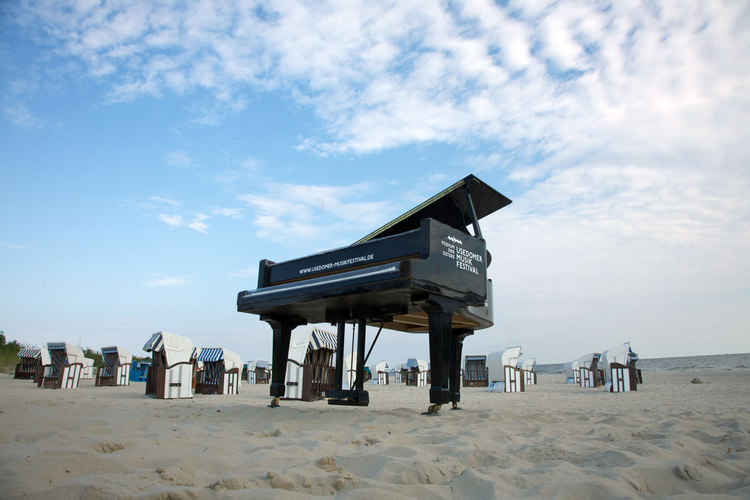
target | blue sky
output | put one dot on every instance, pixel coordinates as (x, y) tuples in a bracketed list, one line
[(152, 153)]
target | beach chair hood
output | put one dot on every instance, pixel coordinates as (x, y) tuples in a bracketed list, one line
[(124, 356), (419, 364), (176, 349), (529, 365), (496, 361), (620, 354), (30, 352), (586, 360), (73, 353)]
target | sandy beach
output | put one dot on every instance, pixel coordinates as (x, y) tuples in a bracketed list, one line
[(671, 438)]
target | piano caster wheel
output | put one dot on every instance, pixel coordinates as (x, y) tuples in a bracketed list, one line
[(455, 405), (275, 402), (433, 409)]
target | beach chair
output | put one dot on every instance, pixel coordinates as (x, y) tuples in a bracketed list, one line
[(87, 372), (475, 371), (258, 372), (64, 368), (310, 371), (618, 367), (417, 372), (381, 373), (528, 371), (139, 371), (397, 378), (30, 359), (502, 371), (116, 369), (172, 367), (590, 374), (571, 372), (220, 373)]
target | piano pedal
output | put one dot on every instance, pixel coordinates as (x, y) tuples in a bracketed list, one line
[(274, 403)]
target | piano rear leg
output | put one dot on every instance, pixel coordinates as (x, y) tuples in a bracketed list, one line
[(457, 344), (282, 334), (440, 312)]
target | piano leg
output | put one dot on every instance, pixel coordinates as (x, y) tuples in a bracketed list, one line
[(356, 395), (457, 344), (282, 334), (440, 312)]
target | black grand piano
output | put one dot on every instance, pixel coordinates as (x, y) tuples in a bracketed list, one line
[(423, 272)]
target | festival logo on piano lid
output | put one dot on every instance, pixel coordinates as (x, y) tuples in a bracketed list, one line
[(465, 259)]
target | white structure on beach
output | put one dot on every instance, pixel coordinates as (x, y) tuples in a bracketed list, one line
[(618, 365), (310, 364), (258, 372), (572, 375), (88, 369), (66, 365), (380, 373), (589, 372), (116, 369), (528, 369), (171, 373), (502, 370)]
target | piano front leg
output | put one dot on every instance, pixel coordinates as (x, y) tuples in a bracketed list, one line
[(440, 312), (282, 334), (457, 344)]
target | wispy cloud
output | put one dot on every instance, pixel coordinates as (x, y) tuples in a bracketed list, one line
[(168, 201), (4, 244), (172, 220), (170, 281), (295, 214), (250, 272), (178, 159)]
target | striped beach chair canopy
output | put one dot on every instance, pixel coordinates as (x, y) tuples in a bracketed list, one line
[(123, 355), (212, 354), (176, 349), (30, 352), (322, 339), (71, 352)]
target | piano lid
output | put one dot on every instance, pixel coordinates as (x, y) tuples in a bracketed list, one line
[(450, 207)]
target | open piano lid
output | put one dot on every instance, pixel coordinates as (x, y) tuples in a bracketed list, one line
[(450, 207)]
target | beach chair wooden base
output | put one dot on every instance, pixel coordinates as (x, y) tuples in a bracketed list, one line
[(228, 384), (174, 382), (513, 379), (121, 376), (529, 377), (67, 377), (383, 378), (24, 371)]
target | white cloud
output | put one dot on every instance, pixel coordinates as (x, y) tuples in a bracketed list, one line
[(178, 159), (299, 214), (250, 272), (170, 281), (197, 223), (20, 115), (4, 244), (172, 220), (168, 201), (234, 213)]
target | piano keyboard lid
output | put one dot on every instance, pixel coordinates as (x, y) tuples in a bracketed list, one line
[(450, 207)]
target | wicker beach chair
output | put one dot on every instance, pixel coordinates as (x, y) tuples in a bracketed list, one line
[(503, 372), (417, 372), (475, 371), (618, 367), (220, 373), (528, 370), (116, 369), (64, 369), (171, 372), (590, 374), (30, 359)]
